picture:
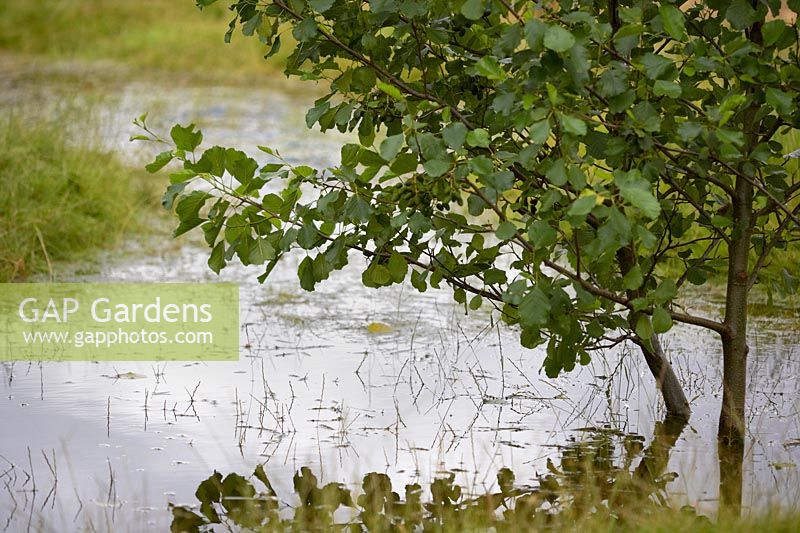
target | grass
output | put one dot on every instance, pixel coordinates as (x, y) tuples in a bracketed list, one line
[(63, 200), (157, 36), (60, 201)]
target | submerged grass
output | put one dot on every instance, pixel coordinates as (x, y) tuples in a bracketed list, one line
[(61, 200), (158, 36)]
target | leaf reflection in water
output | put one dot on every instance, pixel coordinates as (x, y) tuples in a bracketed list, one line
[(605, 476)]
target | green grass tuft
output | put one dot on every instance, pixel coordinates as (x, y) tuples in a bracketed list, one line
[(61, 200)]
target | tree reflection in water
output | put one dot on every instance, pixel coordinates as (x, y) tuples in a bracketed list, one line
[(605, 476)]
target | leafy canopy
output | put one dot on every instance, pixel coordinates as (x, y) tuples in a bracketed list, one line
[(548, 158)]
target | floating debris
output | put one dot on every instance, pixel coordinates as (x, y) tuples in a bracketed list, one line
[(125, 375), (379, 328)]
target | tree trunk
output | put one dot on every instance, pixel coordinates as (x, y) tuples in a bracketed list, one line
[(730, 447), (731, 432), (666, 381), (734, 339)]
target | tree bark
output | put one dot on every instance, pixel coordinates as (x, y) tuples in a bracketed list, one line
[(666, 381), (731, 432), (730, 447), (734, 339)]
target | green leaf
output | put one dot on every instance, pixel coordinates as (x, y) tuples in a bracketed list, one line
[(272, 203), (185, 137), (182, 175), (321, 6), (734, 138), (216, 260), (534, 309), (655, 66), (240, 166), (267, 149), (397, 267), (540, 132), (643, 200), (772, 31), (689, 130), (494, 276), (781, 101), (490, 68), (350, 153), (357, 209), (305, 30), (612, 82), (303, 171), (644, 329), (475, 302), (573, 125), (672, 19), (582, 206), (534, 34), (172, 192), (183, 519), (541, 234), (557, 173), (478, 137), (666, 291), (506, 231), (404, 163), (436, 167), (741, 14), (481, 165), (159, 162), (475, 205), (305, 272), (662, 321), (454, 135), (472, 9), (633, 279), (249, 27), (667, 88), (390, 90), (391, 146), (261, 251), (188, 211), (558, 39), (380, 275)]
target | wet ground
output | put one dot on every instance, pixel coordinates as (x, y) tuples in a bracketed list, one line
[(347, 380)]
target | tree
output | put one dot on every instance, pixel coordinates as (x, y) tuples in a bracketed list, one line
[(572, 163)]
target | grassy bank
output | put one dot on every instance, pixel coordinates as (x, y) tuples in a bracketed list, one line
[(62, 200), (158, 36)]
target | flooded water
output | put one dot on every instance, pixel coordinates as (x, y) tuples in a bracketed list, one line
[(346, 380)]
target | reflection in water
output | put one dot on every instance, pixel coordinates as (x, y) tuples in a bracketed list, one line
[(595, 480), (731, 472)]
